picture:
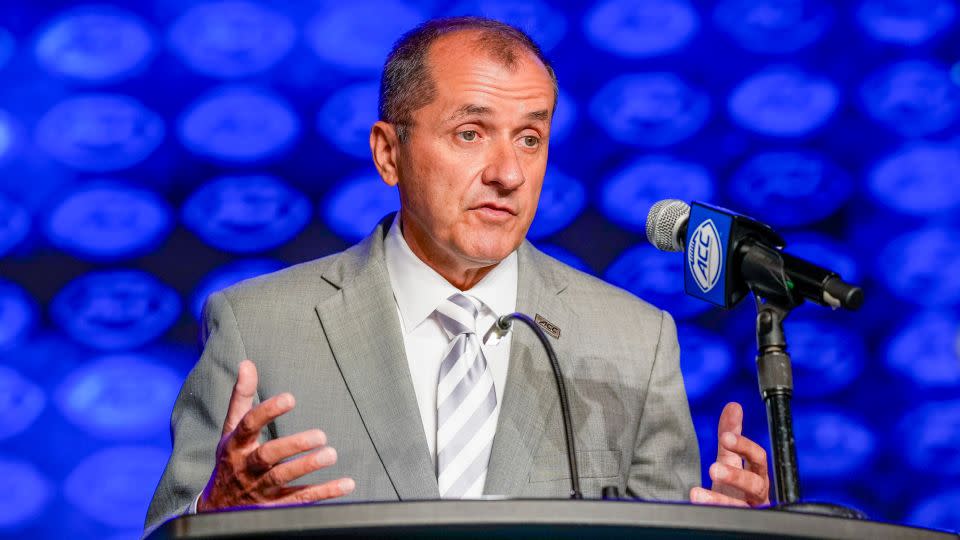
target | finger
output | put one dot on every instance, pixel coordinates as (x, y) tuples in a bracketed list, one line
[(751, 452), (751, 484), (241, 400), (272, 452), (289, 471), (731, 421), (258, 417), (705, 496), (315, 492)]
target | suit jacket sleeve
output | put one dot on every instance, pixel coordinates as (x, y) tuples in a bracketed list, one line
[(199, 412), (666, 458)]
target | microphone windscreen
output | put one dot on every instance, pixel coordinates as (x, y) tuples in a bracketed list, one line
[(664, 223)]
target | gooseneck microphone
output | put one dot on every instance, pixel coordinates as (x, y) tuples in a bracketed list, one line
[(502, 325), (729, 254)]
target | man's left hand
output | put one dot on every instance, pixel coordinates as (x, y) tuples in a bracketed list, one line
[(740, 473)]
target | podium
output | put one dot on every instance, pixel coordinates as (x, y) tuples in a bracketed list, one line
[(525, 518)]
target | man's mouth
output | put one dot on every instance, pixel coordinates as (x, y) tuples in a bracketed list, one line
[(494, 209)]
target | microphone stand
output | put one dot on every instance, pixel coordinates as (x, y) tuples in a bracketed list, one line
[(503, 324)]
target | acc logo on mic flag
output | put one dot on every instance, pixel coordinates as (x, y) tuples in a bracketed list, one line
[(703, 256)]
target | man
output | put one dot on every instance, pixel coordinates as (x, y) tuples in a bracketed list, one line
[(385, 344)]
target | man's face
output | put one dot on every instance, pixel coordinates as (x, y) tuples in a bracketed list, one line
[(472, 168)]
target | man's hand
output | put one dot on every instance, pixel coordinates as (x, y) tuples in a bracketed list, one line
[(734, 484), (250, 474)]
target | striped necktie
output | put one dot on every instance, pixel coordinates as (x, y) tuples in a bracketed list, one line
[(466, 402)]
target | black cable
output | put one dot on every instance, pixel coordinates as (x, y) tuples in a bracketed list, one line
[(503, 323)]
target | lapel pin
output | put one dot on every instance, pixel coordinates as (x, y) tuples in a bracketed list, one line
[(547, 326)]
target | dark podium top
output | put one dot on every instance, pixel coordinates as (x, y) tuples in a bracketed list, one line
[(525, 518)]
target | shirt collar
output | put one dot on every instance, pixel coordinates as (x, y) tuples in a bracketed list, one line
[(419, 289)]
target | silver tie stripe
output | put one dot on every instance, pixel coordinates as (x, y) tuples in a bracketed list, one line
[(466, 402)]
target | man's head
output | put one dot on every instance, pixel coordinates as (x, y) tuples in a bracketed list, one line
[(465, 111)]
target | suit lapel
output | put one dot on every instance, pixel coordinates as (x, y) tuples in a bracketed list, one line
[(363, 330), (530, 396)]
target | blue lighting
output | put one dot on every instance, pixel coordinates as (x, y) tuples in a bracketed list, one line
[(120, 396), (380, 22), (929, 436), (783, 101), (826, 252), (7, 46), (827, 356), (628, 194), (652, 275), (355, 207), (227, 275), (17, 313), (705, 360), (918, 179), (913, 98), (832, 445), (544, 24), (641, 28), (108, 220), (908, 22), (774, 26), (913, 266), (346, 117), (114, 485), (244, 214), (116, 309), (9, 136), (100, 132), (229, 39), (789, 188), (564, 118), (925, 350), (239, 124), (14, 224), (650, 109), (565, 257), (95, 44), (26, 492), (561, 201), (938, 511), (21, 402)]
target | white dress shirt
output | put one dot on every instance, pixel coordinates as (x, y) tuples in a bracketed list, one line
[(418, 290)]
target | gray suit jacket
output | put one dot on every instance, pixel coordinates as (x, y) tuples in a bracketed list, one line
[(328, 331)]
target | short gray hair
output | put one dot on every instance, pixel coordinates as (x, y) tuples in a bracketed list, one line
[(406, 85)]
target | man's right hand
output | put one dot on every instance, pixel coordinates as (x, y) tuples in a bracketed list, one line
[(250, 474)]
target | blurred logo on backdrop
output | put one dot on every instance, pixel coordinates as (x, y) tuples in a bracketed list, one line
[(825, 251), (118, 309), (99, 132), (918, 179), (657, 277), (545, 25), (21, 402), (929, 436), (562, 199), (913, 98), (789, 188), (627, 195), (24, 492), (10, 135), (913, 266), (227, 275), (108, 220), (109, 485), (827, 356), (905, 22), (7, 46), (783, 101), (239, 124), (650, 109), (641, 28), (356, 205), (774, 26), (120, 396), (564, 256), (706, 361), (243, 214), (17, 313), (231, 39), (95, 44), (938, 511), (347, 115), (14, 224), (924, 349), (380, 22), (831, 444)]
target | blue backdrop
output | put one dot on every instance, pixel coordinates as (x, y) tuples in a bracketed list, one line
[(151, 152)]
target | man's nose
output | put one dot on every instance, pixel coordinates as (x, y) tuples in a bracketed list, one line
[(503, 167)]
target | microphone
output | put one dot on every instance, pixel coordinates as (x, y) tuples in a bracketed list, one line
[(729, 254)]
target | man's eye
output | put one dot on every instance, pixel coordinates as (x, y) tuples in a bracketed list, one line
[(530, 141), (468, 135)]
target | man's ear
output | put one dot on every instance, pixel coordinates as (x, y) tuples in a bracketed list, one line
[(384, 146)]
